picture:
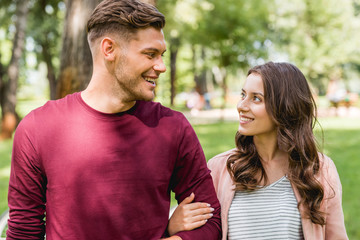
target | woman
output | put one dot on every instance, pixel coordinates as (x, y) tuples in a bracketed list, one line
[(274, 184)]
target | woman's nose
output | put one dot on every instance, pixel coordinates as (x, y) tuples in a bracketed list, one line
[(242, 106)]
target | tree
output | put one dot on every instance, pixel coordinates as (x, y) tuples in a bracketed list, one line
[(236, 39), (173, 32), (44, 28), (318, 36), (9, 115), (76, 60)]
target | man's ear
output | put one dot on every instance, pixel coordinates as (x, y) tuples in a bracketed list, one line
[(108, 48)]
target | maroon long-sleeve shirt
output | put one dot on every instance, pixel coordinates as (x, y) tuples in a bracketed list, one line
[(104, 176)]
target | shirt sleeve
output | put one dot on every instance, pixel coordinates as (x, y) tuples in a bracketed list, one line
[(26, 197), (335, 227), (192, 175)]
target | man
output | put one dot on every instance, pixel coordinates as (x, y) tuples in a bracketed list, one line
[(101, 163)]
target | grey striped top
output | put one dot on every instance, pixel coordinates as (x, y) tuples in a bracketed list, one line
[(267, 213)]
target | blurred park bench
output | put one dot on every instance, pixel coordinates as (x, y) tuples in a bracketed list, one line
[(346, 99)]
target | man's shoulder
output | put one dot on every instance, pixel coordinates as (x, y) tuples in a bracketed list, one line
[(156, 109), (50, 109), (155, 105)]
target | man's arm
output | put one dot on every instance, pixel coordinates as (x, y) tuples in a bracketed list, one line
[(192, 176), (26, 198)]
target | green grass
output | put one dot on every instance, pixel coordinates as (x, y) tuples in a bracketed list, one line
[(341, 143), (5, 156)]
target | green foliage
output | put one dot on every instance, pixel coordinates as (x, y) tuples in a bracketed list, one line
[(7, 10), (320, 37), (45, 27), (234, 30)]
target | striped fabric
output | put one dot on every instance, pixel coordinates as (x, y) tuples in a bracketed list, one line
[(268, 213)]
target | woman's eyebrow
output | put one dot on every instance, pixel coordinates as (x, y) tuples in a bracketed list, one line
[(254, 93)]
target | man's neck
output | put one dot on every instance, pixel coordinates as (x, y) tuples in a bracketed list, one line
[(103, 102)]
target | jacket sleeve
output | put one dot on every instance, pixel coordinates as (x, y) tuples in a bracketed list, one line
[(26, 197), (192, 175), (335, 227)]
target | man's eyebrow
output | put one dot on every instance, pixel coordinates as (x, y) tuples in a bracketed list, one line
[(153, 50)]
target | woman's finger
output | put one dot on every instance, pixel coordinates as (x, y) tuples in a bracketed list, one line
[(188, 199), (200, 211), (197, 205), (193, 225), (199, 218)]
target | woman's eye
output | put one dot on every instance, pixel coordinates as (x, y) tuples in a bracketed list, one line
[(242, 95), (257, 99)]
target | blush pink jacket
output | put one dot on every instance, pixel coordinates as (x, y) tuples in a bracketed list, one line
[(328, 177)]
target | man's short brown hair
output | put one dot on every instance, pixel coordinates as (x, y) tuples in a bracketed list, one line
[(122, 17)]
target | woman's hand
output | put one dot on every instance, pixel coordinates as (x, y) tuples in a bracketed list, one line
[(188, 216)]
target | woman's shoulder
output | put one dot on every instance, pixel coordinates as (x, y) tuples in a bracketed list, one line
[(329, 175), (220, 159), (327, 165)]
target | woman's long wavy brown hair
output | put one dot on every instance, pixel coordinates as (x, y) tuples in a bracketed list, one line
[(289, 102)]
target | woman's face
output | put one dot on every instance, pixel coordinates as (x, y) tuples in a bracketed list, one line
[(254, 119)]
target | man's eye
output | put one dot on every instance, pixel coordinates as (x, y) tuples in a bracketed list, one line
[(150, 54)]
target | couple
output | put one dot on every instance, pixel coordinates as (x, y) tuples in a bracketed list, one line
[(100, 164)]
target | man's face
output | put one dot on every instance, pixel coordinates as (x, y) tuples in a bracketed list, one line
[(139, 64)]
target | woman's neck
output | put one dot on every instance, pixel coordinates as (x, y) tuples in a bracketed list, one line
[(274, 161)]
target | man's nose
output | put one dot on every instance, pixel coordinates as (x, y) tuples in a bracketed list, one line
[(160, 65)]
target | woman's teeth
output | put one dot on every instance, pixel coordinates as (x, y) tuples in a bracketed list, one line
[(245, 119)]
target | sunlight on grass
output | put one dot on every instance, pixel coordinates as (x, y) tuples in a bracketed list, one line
[(340, 123), (5, 172)]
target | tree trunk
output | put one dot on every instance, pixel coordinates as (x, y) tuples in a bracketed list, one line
[(46, 52), (50, 70), (224, 88), (200, 78), (9, 115), (174, 48), (76, 60), (2, 86)]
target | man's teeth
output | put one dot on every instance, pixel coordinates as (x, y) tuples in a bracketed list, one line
[(150, 80)]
